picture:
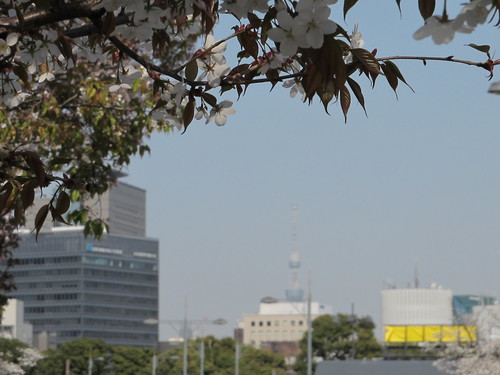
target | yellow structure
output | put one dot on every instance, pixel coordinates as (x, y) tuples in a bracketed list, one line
[(429, 333)]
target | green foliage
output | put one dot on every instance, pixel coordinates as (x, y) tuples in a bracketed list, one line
[(129, 360), (10, 349), (220, 359), (340, 337), (78, 352), (9, 241)]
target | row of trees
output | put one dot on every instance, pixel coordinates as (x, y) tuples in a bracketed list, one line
[(337, 337), (107, 359)]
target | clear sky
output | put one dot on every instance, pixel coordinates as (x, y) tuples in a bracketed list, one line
[(416, 183)]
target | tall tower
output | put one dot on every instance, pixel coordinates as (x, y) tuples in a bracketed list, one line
[(294, 293)]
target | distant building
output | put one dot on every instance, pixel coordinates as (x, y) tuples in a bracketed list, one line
[(75, 287), (12, 323), (279, 322), (463, 305), (377, 367), (418, 315)]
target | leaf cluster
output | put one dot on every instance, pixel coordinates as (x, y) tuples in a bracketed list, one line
[(340, 337)]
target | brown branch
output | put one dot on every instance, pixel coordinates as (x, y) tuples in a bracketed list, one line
[(431, 58), (39, 18), (219, 42)]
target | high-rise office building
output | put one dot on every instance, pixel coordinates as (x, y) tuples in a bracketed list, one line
[(75, 286)]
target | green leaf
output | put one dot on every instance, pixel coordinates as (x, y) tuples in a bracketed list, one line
[(59, 161), (482, 48), (348, 4), (191, 71), (426, 8)]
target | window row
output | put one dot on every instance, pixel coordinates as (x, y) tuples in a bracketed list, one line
[(277, 323)]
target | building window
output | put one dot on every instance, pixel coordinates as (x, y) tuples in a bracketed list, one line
[(261, 324), (252, 324), (301, 322), (292, 323), (276, 323), (269, 323)]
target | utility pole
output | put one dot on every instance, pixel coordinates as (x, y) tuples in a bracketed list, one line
[(237, 359), (185, 342), (309, 330), (202, 358)]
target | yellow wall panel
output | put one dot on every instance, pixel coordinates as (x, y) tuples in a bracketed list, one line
[(402, 334)]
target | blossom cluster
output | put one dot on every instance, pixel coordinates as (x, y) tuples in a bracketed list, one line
[(306, 29), (443, 30), (130, 38)]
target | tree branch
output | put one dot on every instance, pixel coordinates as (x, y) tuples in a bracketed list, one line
[(39, 18), (431, 58)]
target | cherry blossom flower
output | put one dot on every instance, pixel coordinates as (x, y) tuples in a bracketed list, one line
[(240, 8), (5, 45), (212, 71), (494, 88), (314, 23), (290, 34), (295, 88), (356, 42), (118, 86), (473, 13), (214, 54), (441, 30), (220, 112)]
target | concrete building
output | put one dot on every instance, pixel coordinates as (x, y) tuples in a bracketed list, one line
[(378, 367), (12, 323), (417, 306), (279, 321), (417, 315), (279, 325), (73, 286)]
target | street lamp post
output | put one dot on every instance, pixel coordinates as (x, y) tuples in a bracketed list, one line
[(185, 323)]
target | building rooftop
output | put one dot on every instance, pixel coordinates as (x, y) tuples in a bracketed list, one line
[(377, 367)]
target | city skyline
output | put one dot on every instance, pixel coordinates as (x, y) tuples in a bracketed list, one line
[(415, 182)]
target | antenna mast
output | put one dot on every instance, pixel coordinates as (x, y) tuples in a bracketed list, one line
[(294, 294)]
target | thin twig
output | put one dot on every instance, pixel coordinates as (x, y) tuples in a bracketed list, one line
[(200, 55), (431, 58)]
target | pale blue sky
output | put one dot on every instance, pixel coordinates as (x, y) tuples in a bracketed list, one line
[(417, 182)]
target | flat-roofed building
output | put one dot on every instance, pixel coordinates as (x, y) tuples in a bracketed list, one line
[(77, 286)]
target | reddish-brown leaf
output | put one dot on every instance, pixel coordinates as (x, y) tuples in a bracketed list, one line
[(345, 101), (426, 8), (348, 4)]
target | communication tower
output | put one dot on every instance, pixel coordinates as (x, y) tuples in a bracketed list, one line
[(294, 293)]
